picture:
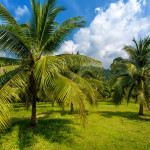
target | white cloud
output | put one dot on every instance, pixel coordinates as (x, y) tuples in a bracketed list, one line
[(110, 31), (98, 10), (144, 2), (68, 47), (21, 11)]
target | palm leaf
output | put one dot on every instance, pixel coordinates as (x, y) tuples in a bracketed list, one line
[(12, 39), (61, 33), (83, 85), (5, 15), (131, 51), (67, 91), (7, 92)]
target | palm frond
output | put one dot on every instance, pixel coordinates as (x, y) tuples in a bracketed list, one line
[(48, 24), (67, 91), (146, 42), (6, 69), (5, 15), (61, 33), (136, 44), (80, 60), (131, 51), (83, 85), (26, 28), (7, 92), (118, 92), (45, 70), (12, 39), (98, 86), (132, 69), (130, 91), (35, 22)]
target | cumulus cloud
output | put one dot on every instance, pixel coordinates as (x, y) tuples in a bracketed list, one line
[(68, 47), (110, 30), (21, 11)]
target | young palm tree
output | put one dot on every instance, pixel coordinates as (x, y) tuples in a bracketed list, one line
[(94, 77), (32, 43), (132, 75), (76, 73)]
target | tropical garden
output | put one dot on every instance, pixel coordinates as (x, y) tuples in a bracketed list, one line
[(69, 101)]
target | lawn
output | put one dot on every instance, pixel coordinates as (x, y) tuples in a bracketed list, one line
[(108, 128)]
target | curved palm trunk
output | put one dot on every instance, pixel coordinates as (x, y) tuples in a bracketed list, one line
[(33, 122), (141, 110)]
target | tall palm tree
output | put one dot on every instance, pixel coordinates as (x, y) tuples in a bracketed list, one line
[(132, 75), (33, 43)]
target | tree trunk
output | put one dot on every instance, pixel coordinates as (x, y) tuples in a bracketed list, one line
[(141, 110), (33, 122), (72, 109), (53, 103)]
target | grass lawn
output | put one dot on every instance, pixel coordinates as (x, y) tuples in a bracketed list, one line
[(108, 128)]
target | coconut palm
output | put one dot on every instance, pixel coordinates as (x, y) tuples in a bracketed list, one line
[(132, 75), (94, 76), (33, 43), (76, 72)]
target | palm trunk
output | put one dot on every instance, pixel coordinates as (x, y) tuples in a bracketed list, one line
[(33, 122), (72, 109), (53, 102), (141, 110)]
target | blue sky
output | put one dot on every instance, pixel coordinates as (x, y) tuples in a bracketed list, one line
[(110, 25), (85, 8)]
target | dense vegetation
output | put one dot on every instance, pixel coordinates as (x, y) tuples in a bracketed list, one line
[(63, 92)]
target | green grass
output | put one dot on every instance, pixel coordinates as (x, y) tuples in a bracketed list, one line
[(108, 128)]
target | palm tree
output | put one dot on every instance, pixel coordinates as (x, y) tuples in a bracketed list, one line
[(132, 75), (94, 76), (33, 43), (76, 72)]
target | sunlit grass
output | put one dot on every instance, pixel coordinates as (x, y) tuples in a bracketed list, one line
[(108, 128)]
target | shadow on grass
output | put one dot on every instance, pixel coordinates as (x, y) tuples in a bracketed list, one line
[(62, 112), (52, 130), (128, 115), (19, 105)]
